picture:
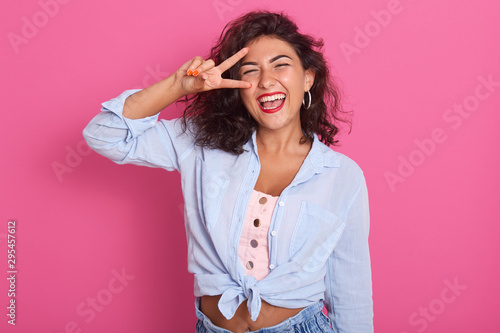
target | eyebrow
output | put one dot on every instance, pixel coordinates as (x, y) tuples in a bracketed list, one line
[(270, 61)]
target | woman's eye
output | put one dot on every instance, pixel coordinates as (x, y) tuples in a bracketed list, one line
[(249, 71), (282, 65)]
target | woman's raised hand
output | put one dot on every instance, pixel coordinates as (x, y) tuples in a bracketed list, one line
[(198, 75)]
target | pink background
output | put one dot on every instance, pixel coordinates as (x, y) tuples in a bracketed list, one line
[(82, 220)]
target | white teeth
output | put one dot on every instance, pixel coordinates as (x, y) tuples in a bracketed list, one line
[(271, 98)]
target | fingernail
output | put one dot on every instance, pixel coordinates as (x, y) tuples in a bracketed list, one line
[(189, 72), (195, 73)]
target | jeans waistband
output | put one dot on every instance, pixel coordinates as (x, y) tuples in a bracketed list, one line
[(284, 326)]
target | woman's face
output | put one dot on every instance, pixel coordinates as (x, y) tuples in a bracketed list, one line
[(278, 83)]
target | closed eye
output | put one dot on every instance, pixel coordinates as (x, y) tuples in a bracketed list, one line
[(249, 71), (255, 70)]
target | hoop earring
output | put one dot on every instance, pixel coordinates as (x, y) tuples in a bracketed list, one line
[(310, 100)]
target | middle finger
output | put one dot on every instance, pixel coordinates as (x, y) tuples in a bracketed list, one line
[(231, 61)]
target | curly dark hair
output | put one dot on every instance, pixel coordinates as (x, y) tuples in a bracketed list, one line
[(219, 116)]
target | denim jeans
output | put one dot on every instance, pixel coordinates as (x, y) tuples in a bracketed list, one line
[(309, 320)]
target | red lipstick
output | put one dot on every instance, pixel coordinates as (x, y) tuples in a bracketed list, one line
[(274, 109)]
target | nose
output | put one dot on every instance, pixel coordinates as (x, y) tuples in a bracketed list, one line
[(267, 79)]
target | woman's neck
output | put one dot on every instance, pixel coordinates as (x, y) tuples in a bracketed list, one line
[(280, 141)]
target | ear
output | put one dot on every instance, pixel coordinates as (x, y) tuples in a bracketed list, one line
[(309, 79)]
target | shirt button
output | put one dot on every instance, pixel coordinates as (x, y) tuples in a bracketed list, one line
[(273, 233), (256, 223), (262, 200), (281, 204), (254, 243), (271, 266), (249, 265)]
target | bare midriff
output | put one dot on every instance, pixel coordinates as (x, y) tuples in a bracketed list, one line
[(241, 322)]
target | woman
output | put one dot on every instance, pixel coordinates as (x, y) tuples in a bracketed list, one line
[(276, 221)]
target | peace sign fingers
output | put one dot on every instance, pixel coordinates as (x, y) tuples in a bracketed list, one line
[(202, 75)]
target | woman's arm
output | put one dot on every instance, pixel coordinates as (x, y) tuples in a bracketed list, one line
[(128, 131), (195, 76), (153, 99), (144, 141), (348, 279)]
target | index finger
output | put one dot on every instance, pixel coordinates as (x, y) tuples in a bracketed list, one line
[(231, 61), (227, 83)]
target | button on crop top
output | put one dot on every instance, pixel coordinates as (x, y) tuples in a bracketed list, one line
[(253, 250)]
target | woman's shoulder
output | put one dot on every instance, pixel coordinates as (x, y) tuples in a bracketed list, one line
[(184, 133), (180, 128), (340, 160)]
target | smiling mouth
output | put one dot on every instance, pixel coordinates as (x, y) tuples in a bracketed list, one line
[(271, 103)]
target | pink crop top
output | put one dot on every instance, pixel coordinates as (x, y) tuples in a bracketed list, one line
[(253, 250)]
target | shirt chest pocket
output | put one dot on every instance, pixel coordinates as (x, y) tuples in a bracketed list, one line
[(316, 233), (212, 184)]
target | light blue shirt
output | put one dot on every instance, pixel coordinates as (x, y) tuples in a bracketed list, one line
[(318, 237)]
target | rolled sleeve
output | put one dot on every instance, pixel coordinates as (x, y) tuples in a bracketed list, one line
[(145, 141), (348, 279)]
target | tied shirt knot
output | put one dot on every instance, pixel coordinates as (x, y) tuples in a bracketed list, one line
[(234, 296)]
